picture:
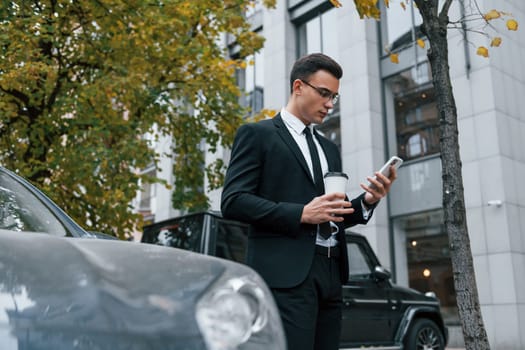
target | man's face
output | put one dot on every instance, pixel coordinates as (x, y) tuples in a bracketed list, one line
[(311, 106)]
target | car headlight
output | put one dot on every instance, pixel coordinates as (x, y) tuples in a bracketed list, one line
[(237, 311), (431, 295)]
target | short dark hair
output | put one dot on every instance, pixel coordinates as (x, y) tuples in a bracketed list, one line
[(307, 65)]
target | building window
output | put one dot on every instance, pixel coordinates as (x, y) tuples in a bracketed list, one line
[(320, 34), (257, 6), (415, 113), (251, 81), (146, 195), (428, 259), (397, 24)]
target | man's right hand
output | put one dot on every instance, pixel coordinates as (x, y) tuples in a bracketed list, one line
[(328, 207)]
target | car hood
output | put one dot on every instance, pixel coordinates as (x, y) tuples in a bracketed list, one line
[(54, 285)]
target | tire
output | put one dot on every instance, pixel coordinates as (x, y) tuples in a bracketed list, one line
[(424, 334)]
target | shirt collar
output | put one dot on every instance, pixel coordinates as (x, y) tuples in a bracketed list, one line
[(293, 122)]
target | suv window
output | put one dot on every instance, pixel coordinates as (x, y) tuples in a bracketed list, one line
[(203, 232), (184, 233), (231, 241), (359, 263)]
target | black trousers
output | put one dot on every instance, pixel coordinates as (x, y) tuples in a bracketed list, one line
[(311, 312)]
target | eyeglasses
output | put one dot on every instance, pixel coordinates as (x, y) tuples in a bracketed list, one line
[(324, 93)]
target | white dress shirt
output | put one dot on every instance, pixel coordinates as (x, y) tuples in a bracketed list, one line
[(296, 127)]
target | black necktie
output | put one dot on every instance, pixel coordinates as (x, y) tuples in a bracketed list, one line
[(324, 228)]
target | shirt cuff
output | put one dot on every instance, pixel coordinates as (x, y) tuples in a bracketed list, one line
[(367, 209)]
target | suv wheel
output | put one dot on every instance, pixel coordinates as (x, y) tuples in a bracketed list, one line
[(424, 334)]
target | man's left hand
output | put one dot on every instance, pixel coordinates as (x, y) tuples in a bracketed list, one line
[(381, 186)]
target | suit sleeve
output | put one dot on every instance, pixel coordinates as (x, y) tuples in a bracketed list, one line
[(240, 199), (357, 216)]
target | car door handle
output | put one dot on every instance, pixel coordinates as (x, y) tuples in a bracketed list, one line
[(348, 301), (395, 303)]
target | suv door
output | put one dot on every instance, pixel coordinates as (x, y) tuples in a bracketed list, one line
[(366, 299), (228, 239)]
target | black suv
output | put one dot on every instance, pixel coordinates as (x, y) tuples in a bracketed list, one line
[(376, 313)]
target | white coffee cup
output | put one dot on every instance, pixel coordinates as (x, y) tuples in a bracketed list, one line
[(335, 182)]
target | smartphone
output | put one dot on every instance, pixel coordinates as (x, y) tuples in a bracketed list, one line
[(385, 169)]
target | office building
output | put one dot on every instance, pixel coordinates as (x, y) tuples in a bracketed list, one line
[(390, 109)]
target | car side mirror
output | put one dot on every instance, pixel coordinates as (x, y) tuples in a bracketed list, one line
[(381, 274)]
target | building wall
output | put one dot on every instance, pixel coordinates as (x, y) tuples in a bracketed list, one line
[(491, 127), (490, 101), (490, 98)]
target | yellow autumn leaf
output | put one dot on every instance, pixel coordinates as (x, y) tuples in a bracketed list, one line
[(492, 14), (421, 43), (336, 3), (403, 6), (495, 42), (483, 51), (367, 8), (394, 58), (387, 3), (512, 24)]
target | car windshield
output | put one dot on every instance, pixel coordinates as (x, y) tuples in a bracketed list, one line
[(21, 210)]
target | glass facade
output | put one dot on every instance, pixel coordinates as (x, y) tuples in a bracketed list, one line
[(398, 31), (428, 258), (416, 116), (319, 34), (422, 248)]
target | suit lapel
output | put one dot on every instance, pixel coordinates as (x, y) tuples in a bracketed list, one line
[(283, 132)]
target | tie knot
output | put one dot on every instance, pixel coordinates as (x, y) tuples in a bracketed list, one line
[(307, 131)]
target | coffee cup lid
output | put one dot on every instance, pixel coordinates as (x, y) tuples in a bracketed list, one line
[(335, 173)]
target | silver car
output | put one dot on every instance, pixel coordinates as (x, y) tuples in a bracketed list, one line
[(63, 288)]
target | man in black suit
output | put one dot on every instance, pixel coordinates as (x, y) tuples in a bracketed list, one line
[(274, 183)]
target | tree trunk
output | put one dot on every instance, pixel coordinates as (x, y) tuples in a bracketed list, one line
[(435, 28)]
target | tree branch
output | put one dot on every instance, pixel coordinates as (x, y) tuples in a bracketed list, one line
[(443, 15)]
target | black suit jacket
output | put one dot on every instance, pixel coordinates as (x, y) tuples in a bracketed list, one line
[(267, 185)]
